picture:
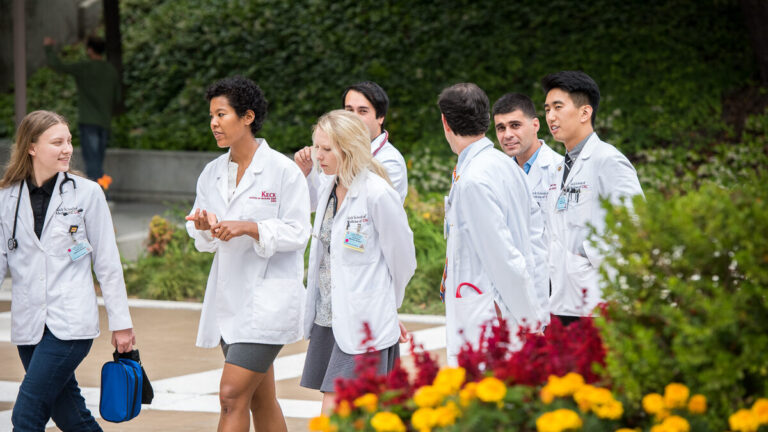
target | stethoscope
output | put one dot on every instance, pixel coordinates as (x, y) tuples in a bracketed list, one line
[(12, 242)]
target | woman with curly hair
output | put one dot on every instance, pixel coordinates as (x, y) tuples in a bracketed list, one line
[(252, 212)]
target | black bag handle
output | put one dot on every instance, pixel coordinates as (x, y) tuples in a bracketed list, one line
[(147, 393)]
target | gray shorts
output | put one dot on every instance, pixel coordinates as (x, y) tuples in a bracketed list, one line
[(326, 361), (255, 357)]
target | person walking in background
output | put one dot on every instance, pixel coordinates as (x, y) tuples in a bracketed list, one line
[(360, 261), (516, 125), (370, 102), (591, 170), (252, 212), (98, 95), (490, 268), (56, 233)]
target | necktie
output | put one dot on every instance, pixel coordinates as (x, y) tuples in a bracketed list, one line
[(568, 163)]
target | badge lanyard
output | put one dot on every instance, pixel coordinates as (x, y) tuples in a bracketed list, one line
[(384, 141)]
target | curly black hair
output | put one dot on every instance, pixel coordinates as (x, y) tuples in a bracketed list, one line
[(243, 95)]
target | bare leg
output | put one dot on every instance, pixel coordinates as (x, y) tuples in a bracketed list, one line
[(267, 415), (236, 390), (329, 403)]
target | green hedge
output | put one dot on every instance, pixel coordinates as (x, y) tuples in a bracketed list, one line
[(663, 66)]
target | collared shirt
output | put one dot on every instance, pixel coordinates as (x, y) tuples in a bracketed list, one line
[(574, 153), (527, 166), (40, 197)]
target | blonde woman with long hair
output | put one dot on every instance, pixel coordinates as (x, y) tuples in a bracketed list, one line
[(361, 258), (56, 231)]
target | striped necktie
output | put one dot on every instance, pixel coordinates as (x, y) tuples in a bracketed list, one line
[(568, 162)]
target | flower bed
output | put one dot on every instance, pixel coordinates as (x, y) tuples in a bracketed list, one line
[(552, 384)]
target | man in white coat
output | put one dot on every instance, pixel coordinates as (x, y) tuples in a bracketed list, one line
[(516, 124), (370, 102), (591, 170), (489, 260)]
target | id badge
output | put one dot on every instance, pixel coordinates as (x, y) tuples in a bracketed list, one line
[(79, 250), (355, 241), (562, 203)]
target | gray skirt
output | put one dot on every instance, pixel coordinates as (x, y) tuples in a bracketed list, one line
[(255, 357), (326, 361)]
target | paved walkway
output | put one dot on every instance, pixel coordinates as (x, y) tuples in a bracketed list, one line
[(185, 378)]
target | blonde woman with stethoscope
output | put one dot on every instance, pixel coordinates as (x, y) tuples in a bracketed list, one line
[(56, 230), (361, 258)]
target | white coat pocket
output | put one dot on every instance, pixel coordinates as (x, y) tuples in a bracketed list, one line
[(259, 210), (82, 310), (277, 305), (66, 231), (352, 254), (580, 207), (473, 310)]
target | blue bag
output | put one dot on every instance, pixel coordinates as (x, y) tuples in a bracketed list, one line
[(121, 389)]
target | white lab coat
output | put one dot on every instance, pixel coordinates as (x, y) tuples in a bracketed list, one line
[(48, 287), (541, 178), (255, 292), (487, 215), (387, 155), (367, 286), (600, 171)]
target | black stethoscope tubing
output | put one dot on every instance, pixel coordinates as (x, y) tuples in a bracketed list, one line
[(12, 242)]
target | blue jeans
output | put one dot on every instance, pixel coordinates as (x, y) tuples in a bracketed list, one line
[(93, 141), (49, 389)]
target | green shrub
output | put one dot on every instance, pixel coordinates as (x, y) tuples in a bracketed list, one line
[(171, 268), (688, 302), (425, 216)]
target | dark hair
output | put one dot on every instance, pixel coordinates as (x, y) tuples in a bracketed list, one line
[(373, 92), (512, 102), (465, 107), (243, 95), (580, 86), (97, 44)]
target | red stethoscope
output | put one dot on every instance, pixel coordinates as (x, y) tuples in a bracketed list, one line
[(384, 141), (458, 289)]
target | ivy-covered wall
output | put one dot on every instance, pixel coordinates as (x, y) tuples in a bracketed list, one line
[(663, 66)]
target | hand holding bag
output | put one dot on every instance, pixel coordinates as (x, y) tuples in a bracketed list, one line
[(124, 387)]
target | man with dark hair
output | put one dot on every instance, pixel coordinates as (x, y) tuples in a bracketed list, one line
[(98, 89), (516, 124), (370, 102), (591, 170), (489, 268)]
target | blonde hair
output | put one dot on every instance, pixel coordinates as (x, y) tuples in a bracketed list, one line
[(351, 144), (33, 125)]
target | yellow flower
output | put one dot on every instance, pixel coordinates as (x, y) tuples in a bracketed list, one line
[(627, 430), (697, 404), (653, 403), (449, 380), (468, 393), (558, 421), (424, 419), (546, 396), (447, 414), (565, 386), (676, 424), (427, 397), (321, 424), (661, 428), (676, 395), (425, 215), (491, 389), (583, 397), (387, 422), (344, 409), (589, 397), (760, 409), (612, 410), (367, 402), (743, 420)]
